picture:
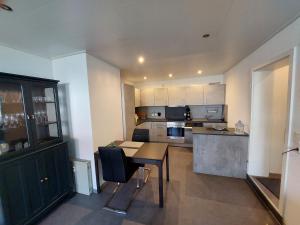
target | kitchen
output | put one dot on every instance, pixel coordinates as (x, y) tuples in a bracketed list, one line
[(182, 116)]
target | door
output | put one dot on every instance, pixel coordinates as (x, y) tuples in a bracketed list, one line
[(214, 94), (195, 95), (14, 133), (63, 168), (13, 195), (48, 176), (45, 113), (161, 96), (129, 110), (177, 96), (147, 97), (34, 193)]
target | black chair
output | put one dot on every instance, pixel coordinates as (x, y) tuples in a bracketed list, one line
[(142, 135), (116, 168)]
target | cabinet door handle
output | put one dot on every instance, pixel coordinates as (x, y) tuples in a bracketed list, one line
[(46, 178), (42, 180)]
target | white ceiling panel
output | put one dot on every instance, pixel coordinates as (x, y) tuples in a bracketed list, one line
[(167, 32)]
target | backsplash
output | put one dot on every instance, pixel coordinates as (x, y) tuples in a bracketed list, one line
[(207, 111), (152, 112), (197, 111)]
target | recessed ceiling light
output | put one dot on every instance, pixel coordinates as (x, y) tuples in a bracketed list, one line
[(145, 78), (199, 71), (141, 59), (170, 75), (6, 7), (206, 35)]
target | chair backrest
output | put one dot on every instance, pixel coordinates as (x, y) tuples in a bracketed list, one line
[(114, 164), (140, 135)]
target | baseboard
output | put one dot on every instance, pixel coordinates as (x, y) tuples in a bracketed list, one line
[(265, 201)]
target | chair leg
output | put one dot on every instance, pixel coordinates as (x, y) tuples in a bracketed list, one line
[(148, 174), (106, 206), (119, 211), (138, 178)]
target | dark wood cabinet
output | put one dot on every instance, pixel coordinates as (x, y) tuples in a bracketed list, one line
[(35, 172), (31, 183), (29, 114), (13, 194)]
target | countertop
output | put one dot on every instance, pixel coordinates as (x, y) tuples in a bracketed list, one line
[(211, 131), (140, 121)]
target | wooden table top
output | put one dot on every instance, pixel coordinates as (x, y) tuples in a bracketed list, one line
[(152, 151)]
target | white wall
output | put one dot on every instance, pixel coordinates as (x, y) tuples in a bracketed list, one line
[(105, 97), (182, 82), (72, 72), (93, 90), (238, 78), (238, 81), (18, 62)]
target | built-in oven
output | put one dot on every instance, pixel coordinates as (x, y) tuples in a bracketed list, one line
[(175, 130)]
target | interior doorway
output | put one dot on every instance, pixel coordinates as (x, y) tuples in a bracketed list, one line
[(269, 128)]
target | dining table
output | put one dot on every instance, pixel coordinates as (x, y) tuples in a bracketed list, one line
[(148, 153)]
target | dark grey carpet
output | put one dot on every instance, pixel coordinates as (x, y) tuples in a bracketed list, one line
[(272, 184), (190, 199)]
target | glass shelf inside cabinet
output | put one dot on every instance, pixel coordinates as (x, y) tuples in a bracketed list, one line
[(13, 128), (45, 112)]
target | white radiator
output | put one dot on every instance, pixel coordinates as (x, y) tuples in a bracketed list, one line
[(83, 176)]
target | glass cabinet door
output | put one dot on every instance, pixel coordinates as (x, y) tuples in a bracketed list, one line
[(45, 113), (13, 127)]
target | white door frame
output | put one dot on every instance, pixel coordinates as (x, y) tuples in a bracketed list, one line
[(291, 55)]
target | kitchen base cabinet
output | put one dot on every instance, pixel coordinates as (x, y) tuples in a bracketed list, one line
[(29, 185)]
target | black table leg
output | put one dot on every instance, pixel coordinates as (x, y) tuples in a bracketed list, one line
[(167, 165), (160, 183)]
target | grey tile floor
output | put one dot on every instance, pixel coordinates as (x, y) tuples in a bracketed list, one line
[(189, 199)]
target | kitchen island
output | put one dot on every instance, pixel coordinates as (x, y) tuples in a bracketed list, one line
[(221, 153)]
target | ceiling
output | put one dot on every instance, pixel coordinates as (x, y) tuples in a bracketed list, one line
[(168, 33)]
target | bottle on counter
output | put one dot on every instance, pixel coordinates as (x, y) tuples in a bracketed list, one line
[(239, 127)]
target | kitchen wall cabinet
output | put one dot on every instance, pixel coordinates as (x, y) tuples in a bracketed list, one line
[(147, 97), (195, 95), (137, 97), (214, 94), (160, 96), (177, 96)]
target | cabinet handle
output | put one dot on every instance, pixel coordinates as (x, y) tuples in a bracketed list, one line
[(42, 180), (46, 178)]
